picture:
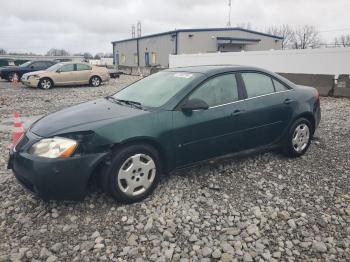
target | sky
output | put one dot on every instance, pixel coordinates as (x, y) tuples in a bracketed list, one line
[(91, 25)]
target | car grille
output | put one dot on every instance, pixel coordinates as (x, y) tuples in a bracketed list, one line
[(21, 143)]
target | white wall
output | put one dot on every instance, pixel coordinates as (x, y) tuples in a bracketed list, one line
[(102, 61), (329, 61)]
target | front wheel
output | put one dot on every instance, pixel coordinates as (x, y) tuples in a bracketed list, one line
[(45, 83), (299, 138), (133, 173), (95, 81)]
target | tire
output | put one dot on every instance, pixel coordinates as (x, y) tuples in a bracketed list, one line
[(45, 83), (127, 178), (299, 138), (95, 81)]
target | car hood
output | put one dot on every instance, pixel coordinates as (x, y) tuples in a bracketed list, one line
[(83, 117), (9, 68)]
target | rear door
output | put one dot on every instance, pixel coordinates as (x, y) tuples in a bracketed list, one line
[(268, 107), (202, 134), (83, 73)]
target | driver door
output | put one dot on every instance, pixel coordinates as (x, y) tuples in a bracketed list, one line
[(203, 134), (65, 75)]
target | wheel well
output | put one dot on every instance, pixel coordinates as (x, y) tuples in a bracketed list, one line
[(151, 143), (96, 76), (96, 172), (45, 77), (309, 117)]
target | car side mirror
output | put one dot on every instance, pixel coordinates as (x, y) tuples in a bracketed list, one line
[(58, 71), (194, 104), (31, 67)]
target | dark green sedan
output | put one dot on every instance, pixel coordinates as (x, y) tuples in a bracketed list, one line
[(171, 119)]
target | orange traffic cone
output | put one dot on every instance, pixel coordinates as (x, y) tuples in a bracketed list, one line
[(14, 79), (18, 129)]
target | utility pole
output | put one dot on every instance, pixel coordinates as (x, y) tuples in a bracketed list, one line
[(138, 28), (229, 14), (133, 31)]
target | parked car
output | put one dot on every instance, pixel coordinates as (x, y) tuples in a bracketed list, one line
[(30, 66), (169, 120), (67, 73)]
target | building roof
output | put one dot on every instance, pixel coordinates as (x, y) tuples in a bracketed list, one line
[(200, 30)]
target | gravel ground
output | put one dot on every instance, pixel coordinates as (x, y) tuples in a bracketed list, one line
[(263, 207)]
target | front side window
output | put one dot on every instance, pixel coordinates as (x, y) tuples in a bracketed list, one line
[(82, 67), (67, 68), (157, 89), (218, 90), (257, 84)]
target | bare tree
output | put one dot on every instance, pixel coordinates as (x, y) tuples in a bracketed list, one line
[(2, 51), (284, 31), (305, 36), (87, 55), (343, 40), (57, 52)]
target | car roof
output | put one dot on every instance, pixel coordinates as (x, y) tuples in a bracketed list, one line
[(213, 69)]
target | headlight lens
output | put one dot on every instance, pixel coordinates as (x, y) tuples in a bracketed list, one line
[(56, 147), (34, 76)]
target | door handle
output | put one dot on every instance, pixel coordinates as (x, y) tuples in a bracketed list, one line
[(288, 101), (237, 112)]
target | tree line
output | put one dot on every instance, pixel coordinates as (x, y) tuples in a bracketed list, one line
[(305, 36)]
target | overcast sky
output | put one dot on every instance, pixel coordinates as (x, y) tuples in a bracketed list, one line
[(90, 25)]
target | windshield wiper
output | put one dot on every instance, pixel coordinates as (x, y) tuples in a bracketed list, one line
[(128, 102)]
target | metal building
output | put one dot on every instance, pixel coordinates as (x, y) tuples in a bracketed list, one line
[(153, 50)]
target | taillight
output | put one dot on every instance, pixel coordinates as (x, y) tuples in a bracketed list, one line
[(317, 94)]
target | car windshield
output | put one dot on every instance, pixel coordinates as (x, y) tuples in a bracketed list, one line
[(157, 89), (26, 64), (54, 67)]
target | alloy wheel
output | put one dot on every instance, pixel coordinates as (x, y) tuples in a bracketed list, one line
[(301, 137), (95, 81), (136, 174), (45, 84)]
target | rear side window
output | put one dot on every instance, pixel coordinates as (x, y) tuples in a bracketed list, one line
[(218, 90), (279, 86), (67, 68), (82, 67), (257, 84)]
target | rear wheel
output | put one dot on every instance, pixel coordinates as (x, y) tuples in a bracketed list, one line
[(45, 83), (95, 81), (299, 138), (133, 174)]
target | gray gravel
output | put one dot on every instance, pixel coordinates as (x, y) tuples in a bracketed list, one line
[(263, 207)]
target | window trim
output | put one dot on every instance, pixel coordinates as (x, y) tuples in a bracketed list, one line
[(239, 90), (239, 73)]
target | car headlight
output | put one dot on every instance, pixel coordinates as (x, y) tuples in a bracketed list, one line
[(34, 76), (56, 147)]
